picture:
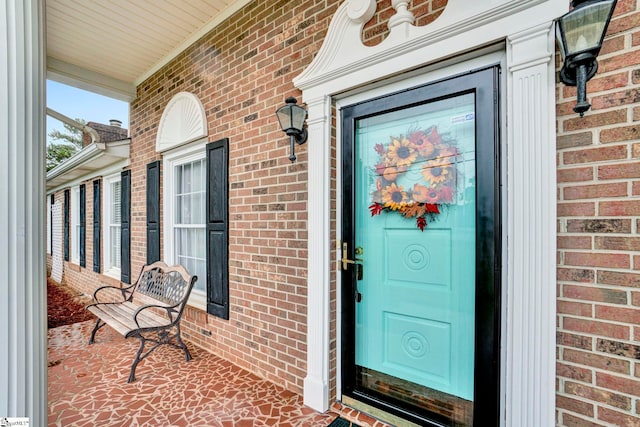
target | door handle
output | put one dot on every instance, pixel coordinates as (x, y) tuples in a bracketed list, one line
[(345, 257)]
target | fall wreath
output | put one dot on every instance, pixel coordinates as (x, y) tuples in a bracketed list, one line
[(415, 175)]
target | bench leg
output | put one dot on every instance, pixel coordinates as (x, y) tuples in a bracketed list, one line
[(182, 345), (99, 324), (132, 374)]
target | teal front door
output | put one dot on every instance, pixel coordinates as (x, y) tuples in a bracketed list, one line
[(421, 205)]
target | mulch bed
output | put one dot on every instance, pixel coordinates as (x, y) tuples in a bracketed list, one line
[(65, 306)]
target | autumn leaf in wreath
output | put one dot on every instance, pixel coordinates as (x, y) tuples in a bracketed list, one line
[(416, 175)]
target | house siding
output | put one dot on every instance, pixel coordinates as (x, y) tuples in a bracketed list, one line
[(598, 374), (243, 70)]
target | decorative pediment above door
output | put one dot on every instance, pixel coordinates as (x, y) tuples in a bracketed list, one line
[(344, 54)]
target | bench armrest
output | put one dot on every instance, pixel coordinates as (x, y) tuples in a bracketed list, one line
[(170, 310), (126, 291)]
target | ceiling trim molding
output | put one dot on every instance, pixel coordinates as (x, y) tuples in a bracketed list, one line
[(217, 20), (72, 75)]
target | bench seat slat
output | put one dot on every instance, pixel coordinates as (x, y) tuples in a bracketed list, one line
[(120, 316)]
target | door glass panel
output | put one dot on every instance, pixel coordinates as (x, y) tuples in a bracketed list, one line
[(415, 210)]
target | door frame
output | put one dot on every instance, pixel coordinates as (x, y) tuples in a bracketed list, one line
[(344, 66), (485, 82)]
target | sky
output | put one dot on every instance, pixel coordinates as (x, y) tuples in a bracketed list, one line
[(81, 104)]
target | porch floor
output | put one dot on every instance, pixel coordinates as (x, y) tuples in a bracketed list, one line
[(87, 387)]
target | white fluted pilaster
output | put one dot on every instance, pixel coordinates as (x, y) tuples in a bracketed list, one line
[(23, 375), (531, 245), (316, 383)]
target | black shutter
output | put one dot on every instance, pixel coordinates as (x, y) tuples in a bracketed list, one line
[(217, 229), (52, 202), (96, 226), (125, 226), (66, 225), (153, 212), (83, 225)]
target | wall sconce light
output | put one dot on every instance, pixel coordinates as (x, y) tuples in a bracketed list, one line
[(291, 118), (580, 33)]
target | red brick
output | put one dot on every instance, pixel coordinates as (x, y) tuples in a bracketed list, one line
[(623, 23), (619, 171), (575, 308), (569, 420), (619, 278), (595, 191), (617, 418), (597, 294), (600, 361), (588, 259), (611, 45), (618, 348), (574, 242), (617, 152), (618, 134), (575, 174), (628, 59), (598, 395), (603, 329), (635, 188), (575, 405), (618, 383), (602, 83), (623, 6), (617, 243), (595, 120), (573, 340), (615, 99), (620, 208), (575, 275), (619, 314), (574, 139), (635, 150), (576, 209), (573, 372)]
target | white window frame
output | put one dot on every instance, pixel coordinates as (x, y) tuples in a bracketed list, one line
[(75, 224), (184, 154), (107, 202)]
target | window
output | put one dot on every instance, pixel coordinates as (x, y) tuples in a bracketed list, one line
[(185, 204), (75, 225), (112, 225)]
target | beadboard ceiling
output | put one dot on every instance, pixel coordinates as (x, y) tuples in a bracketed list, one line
[(110, 46)]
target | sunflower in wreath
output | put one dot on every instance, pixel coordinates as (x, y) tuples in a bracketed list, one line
[(415, 175)]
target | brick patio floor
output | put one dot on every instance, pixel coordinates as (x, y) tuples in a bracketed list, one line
[(87, 387)]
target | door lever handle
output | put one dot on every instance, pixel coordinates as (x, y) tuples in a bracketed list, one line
[(345, 260)]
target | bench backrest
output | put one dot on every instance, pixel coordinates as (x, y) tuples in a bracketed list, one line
[(168, 285)]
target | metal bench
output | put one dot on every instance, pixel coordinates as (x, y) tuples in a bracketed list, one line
[(150, 309)]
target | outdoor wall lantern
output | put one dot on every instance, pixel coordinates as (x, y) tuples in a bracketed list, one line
[(291, 118), (580, 33)]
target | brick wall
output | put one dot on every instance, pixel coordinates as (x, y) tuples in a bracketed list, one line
[(241, 72), (598, 373)]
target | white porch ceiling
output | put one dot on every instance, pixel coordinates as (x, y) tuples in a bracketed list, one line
[(110, 46)]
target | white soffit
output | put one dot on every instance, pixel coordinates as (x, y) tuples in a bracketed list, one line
[(116, 44)]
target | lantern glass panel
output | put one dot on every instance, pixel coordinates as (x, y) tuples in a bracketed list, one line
[(284, 117), (584, 27), (298, 116)]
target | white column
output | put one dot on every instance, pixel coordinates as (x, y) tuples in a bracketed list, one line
[(531, 246), (316, 383), (23, 367)]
